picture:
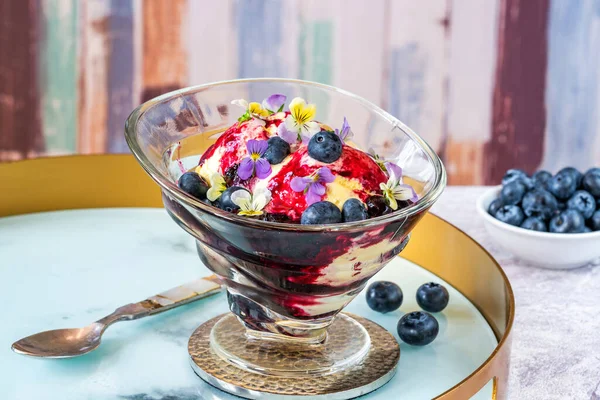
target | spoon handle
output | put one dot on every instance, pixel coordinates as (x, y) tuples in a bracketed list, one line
[(164, 301)]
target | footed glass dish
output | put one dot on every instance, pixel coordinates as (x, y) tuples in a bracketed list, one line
[(286, 283)]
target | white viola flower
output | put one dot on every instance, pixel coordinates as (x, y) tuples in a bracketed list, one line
[(251, 205), (394, 189)]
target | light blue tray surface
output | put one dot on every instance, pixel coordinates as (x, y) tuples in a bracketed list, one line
[(68, 268)]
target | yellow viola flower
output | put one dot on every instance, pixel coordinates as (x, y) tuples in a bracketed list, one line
[(256, 109), (301, 118), (253, 109), (217, 187)]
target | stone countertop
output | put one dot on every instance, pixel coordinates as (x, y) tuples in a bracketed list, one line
[(556, 336)]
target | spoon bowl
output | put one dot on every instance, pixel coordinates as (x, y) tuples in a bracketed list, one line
[(61, 343)]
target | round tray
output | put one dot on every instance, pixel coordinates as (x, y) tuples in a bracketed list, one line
[(68, 268)]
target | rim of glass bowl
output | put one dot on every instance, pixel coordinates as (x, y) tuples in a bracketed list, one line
[(423, 203)]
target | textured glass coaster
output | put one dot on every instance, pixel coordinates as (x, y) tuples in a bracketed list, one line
[(376, 369)]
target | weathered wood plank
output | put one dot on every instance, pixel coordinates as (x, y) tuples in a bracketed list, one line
[(164, 54), (418, 66), (518, 113), (58, 72), (473, 43), (572, 96), (359, 47), (92, 95), (120, 73), (212, 44), (20, 115)]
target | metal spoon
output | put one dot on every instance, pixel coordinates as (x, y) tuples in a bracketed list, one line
[(65, 343)]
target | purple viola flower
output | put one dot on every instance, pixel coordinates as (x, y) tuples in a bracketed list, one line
[(313, 186), (274, 102), (394, 171), (345, 132), (254, 163)]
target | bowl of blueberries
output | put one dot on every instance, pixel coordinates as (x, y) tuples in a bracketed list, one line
[(551, 221)]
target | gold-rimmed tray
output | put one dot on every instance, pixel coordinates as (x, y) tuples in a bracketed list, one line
[(436, 246)]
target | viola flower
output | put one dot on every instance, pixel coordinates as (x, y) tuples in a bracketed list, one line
[(394, 189), (254, 163), (289, 136), (217, 187), (301, 118), (253, 109), (274, 103), (251, 204), (345, 132), (313, 186)]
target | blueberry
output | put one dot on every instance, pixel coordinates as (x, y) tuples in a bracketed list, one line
[(583, 202), (591, 182), (595, 221), (513, 192), (230, 175), (418, 328), (277, 150), (568, 221), (534, 224), (354, 210), (540, 179), (513, 175), (225, 203), (193, 184), (562, 186), (432, 297), (322, 212), (510, 214), (573, 173), (325, 146), (376, 206), (384, 296), (539, 203), (495, 206), (586, 229)]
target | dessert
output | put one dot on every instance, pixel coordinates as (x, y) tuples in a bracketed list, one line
[(284, 166)]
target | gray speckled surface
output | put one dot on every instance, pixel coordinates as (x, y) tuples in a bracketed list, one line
[(556, 340)]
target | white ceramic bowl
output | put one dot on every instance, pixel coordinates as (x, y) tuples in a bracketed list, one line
[(542, 249)]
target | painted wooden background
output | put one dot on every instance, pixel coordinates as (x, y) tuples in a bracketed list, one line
[(490, 84)]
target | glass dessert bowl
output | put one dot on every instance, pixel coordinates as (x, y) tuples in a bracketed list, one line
[(286, 282)]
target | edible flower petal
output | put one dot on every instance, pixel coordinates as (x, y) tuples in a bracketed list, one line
[(289, 136), (251, 204), (217, 187), (254, 163), (274, 103), (394, 171), (256, 109), (313, 186), (394, 189), (301, 118), (252, 110), (345, 133)]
